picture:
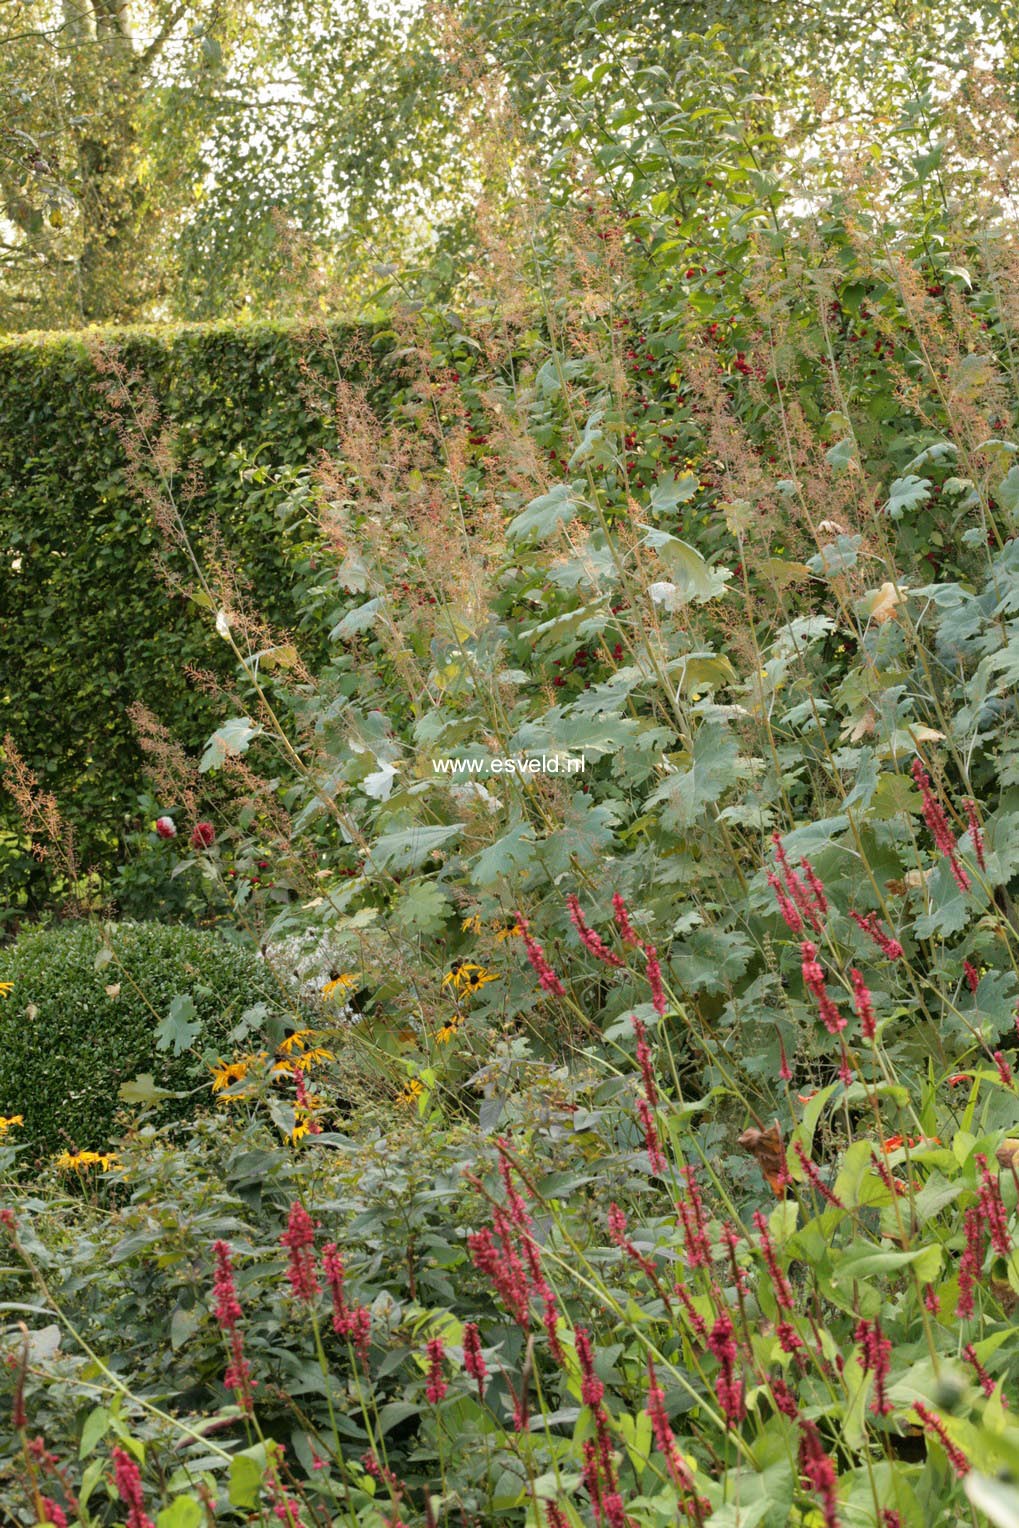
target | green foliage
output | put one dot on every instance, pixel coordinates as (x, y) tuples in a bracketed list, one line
[(90, 1009), (88, 626), (855, 1309)]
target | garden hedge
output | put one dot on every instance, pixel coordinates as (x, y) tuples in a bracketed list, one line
[(68, 1040), (87, 626)]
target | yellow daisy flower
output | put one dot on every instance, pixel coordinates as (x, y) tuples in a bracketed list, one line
[(8, 1120), (473, 981), (466, 976), (446, 1033), (77, 1161), (507, 933), (340, 984), (300, 1130), (6, 988), (411, 1093), (471, 925), (298, 1038), (307, 1059), (227, 1074), (109, 1159)]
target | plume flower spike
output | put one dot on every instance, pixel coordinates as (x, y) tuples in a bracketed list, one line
[(588, 937), (547, 979)]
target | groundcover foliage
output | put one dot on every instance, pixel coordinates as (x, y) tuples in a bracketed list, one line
[(646, 1149), (91, 1007)]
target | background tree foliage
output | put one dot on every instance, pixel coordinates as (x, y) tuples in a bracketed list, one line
[(197, 160)]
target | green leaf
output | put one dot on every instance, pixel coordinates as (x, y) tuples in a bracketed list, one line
[(408, 850), (836, 558), (91, 1478), (997, 1501), (357, 620), (692, 578), (395, 1412), (180, 1028), (842, 455), (670, 491), (246, 1472), (228, 741), (907, 493), (1007, 492), (143, 1090), (510, 855), (546, 513), (183, 1512), (96, 1426), (863, 1262), (422, 908), (712, 769)]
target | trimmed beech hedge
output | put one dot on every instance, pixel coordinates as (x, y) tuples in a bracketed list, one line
[(66, 1044), (86, 624)]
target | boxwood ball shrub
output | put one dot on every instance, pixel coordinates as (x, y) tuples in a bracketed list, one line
[(72, 1031)]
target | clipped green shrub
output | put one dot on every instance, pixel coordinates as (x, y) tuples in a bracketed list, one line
[(68, 1039), (87, 625)]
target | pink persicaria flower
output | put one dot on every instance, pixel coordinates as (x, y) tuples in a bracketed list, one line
[(55, 1514), (779, 1283), (591, 1388), (627, 932), (352, 1322), (203, 835), (644, 1062), (617, 1233), (1004, 1070), (992, 1208), (971, 1263), (819, 1472), (690, 1209), (474, 1361), (303, 1101), (547, 979), (871, 926), (785, 1401), (728, 1385), (874, 1359), (590, 940), (299, 1240), (652, 1144), (228, 1314), (937, 822), (975, 834), (969, 1353), (166, 827), (503, 1270), (694, 1316), (864, 1005), (814, 1178), (813, 980), (435, 1386), (654, 976), (128, 1480), (933, 1424), (971, 974), (665, 1438), (786, 907)]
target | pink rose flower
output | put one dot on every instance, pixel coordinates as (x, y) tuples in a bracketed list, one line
[(166, 827), (203, 836)]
